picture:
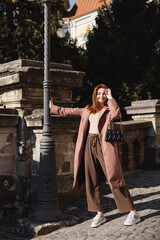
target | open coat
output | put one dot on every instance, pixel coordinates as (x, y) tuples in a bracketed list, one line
[(106, 116)]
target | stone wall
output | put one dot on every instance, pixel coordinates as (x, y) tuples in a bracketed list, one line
[(21, 84), (21, 118), (21, 90), (8, 135)]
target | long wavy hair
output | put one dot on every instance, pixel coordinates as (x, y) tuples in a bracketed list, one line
[(96, 106)]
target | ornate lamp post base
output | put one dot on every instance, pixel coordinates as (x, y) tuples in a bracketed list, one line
[(46, 212), (47, 208)]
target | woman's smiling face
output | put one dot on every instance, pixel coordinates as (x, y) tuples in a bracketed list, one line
[(102, 95)]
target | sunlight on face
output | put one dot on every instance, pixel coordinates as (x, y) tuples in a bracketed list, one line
[(102, 95)]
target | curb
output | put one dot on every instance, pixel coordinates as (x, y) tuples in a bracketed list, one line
[(27, 228)]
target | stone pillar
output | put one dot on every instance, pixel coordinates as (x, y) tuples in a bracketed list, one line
[(149, 110), (8, 137), (22, 167)]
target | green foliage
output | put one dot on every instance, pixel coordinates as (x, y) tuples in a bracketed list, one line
[(22, 34), (123, 50), (21, 28), (67, 52)]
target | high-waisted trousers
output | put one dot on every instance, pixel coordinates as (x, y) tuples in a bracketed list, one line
[(95, 171)]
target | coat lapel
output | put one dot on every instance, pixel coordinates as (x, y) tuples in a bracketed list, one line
[(105, 108)]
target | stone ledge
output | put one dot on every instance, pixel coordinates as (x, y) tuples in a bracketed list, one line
[(8, 117), (146, 103), (27, 76), (32, 72), (6, 67), (36, 120), (8, 111), (143, 107), (8, 120), (133, 124), (21, 83)]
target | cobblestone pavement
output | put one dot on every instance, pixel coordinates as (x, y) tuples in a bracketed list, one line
[(144, 187)]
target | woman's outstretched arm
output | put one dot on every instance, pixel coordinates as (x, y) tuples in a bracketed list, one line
[(64, 111)]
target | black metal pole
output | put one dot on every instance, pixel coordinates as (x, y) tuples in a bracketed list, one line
[(47, 205)]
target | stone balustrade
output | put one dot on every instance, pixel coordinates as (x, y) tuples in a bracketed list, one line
[(132, 152), (149, 110)]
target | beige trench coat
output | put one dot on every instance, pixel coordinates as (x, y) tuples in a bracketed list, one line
[(106, 115)]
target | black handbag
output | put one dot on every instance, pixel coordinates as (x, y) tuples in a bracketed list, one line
[(114, 135)]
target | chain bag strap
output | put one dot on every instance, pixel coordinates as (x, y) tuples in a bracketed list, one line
[(114, 135)]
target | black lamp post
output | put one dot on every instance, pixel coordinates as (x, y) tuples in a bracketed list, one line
[(47, 204)]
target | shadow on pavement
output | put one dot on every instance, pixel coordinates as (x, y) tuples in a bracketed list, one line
[(153, 204), (144, 179), (142, 196), (151, 215)]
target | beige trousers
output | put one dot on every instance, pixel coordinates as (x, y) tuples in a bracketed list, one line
[(95, 174)]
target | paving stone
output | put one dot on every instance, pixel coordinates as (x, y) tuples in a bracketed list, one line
[(123, 238), (71, 233), (144, 188), (81, 238), (62, 238), (81, 233), (157, 236), (51, 238), (140, 238), (148, 235)]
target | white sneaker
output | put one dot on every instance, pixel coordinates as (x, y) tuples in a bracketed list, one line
[(132, 218), (98, 220)]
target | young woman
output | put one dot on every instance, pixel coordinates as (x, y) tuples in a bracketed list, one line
[(100, 158)]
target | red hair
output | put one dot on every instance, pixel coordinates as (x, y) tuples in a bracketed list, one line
[(96, 107)]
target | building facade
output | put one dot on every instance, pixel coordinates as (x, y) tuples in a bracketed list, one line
[(81, 19)]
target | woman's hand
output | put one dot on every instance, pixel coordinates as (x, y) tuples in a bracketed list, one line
[(109, 93), (51, 103)]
